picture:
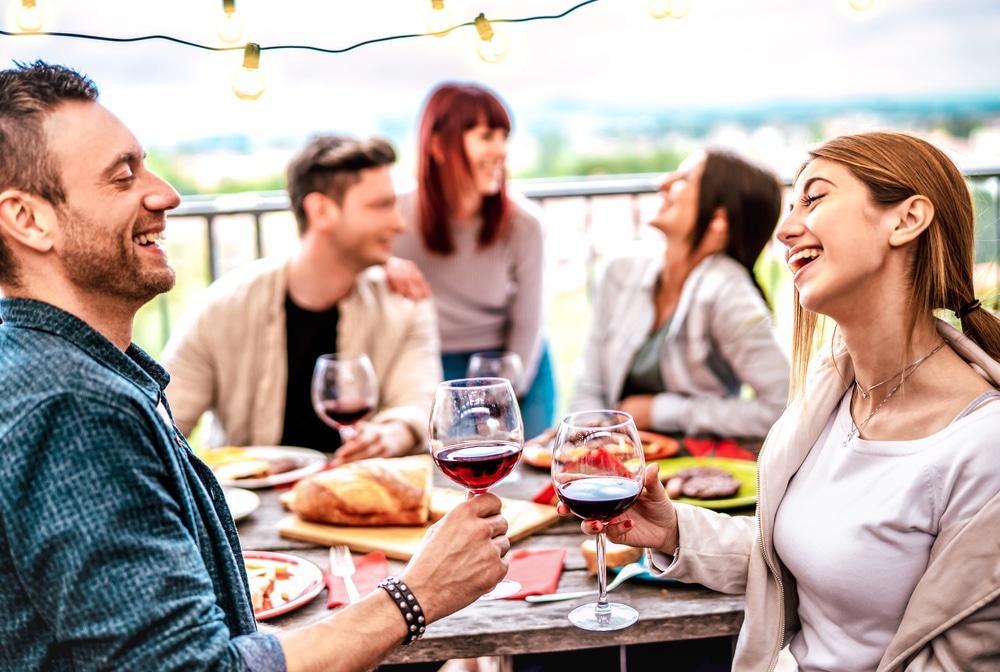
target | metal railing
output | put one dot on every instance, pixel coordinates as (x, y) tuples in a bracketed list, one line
[(986, 180)]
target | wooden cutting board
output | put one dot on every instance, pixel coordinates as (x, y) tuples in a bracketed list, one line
[(400, 542)]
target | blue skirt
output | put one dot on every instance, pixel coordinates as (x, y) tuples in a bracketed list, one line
[(538, 405)]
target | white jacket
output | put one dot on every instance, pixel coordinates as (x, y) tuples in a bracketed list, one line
[(721, 336), (952, 620)]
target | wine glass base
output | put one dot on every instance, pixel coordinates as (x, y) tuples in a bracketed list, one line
[(614, 617), (505, 588)]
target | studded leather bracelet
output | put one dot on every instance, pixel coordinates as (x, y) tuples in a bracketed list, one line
[(404, 598)]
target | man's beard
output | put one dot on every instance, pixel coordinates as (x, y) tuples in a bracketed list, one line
[(106, 264)]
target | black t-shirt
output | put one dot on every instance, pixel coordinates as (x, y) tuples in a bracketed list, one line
[(309, 335)]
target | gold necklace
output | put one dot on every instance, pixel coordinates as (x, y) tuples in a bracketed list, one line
[(856, 429)]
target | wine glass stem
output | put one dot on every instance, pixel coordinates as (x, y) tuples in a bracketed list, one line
[(347, 434), (602, 574), (602, 610)]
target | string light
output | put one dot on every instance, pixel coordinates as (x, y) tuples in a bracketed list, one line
[(861, 5), (492, 45), (230, 27), (248, 82), (29, 17), (675, 9), (439, 19)]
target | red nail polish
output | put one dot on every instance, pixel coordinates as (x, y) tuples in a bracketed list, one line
[(595, 527), (628, 524)]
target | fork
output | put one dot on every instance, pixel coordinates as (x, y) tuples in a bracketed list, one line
[(342, 565)]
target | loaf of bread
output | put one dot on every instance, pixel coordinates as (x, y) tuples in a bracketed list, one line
[(378, 491), (616, 555)]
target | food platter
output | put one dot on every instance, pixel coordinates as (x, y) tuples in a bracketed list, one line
[(241, 502), (743, 470), (297, 581), (537, 452), (306, 461)]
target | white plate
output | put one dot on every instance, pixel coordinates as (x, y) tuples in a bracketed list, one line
[(311, 461), (241, 502)]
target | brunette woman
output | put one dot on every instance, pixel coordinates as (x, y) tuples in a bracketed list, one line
[(678, 330)]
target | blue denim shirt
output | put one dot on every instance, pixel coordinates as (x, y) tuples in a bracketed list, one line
[(117, 550)]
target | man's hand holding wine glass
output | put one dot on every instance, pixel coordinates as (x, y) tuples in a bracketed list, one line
[(344, 395), (384, 439)]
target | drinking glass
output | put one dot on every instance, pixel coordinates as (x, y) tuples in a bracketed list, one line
[(497, 364), (476, 436), (344, 391), (597, 471)]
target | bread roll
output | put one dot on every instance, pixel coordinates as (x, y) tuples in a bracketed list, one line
[(378, 491), (617, 555)]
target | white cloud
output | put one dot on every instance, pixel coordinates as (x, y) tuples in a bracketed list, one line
[(608, 53)]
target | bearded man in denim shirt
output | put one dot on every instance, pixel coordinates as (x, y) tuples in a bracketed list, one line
[(117, 550)]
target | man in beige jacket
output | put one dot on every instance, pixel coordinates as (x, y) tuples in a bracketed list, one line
[(245, 349)]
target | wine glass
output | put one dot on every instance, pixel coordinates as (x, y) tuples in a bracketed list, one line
[(476, 436), (497, 364), (597, 471), (344, 391)]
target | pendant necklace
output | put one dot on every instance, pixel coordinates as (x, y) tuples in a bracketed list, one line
[(856, 429)]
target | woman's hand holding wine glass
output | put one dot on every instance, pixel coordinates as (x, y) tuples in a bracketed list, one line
[(598, 469), (476, 438)]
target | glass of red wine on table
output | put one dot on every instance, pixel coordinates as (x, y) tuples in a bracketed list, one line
[(476, 437), (598, 469), (344, 391)]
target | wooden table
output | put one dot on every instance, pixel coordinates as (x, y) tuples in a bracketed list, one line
[(508, 627)]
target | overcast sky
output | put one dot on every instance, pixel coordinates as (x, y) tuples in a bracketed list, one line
[(608, 53)]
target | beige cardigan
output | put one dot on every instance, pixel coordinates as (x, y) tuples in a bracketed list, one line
[(227, 354), (952, 621)]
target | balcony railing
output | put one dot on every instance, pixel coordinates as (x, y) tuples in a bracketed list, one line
[(986, 180), (209, 235)]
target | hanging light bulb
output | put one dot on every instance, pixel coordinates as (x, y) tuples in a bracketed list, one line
[(675, 9), (492, 45), (861, 5), (248, 82), (439, 18), (230, 27), (29, 18), (680, 8)]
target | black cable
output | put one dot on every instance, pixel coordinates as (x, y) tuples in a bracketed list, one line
[(176, 40)]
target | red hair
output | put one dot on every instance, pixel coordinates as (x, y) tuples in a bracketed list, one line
[(450, 111)]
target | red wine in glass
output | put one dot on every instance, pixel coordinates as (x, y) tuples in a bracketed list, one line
[(344, 391), (601, 497), (481, 466), (597, 471), (476, 436), (344, 413)]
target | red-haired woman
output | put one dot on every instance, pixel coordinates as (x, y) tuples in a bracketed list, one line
[(478, 245)]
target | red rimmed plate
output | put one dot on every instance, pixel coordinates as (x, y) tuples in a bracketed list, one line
[(297, 584), (538, 451)]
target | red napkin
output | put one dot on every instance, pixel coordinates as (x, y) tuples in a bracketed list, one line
[(536, 569), (546, 495), (724, 448), (369, 570)]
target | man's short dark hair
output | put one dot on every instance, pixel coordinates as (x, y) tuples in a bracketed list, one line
[(29, 92), (330, 164)]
